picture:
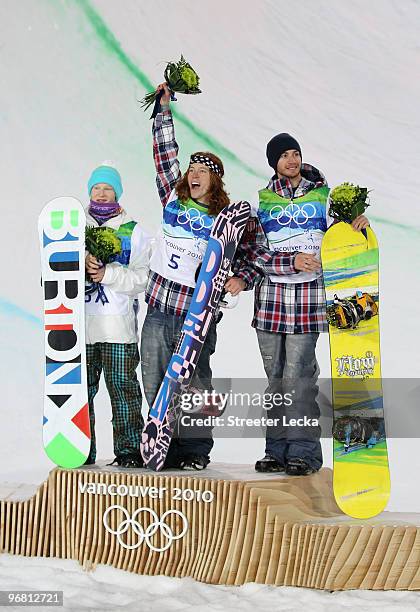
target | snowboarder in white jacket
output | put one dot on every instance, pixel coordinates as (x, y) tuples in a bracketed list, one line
[(111, 317)]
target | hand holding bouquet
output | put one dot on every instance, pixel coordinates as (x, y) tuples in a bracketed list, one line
[(348, 201), (180, 77), (104, 244)]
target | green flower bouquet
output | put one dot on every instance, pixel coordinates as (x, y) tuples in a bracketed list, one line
[(180, 77), (348, 201), (104, 244)]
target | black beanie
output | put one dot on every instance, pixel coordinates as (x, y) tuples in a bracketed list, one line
[(278, 145)]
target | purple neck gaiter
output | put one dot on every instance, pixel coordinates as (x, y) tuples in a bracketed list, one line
[(102, 211)]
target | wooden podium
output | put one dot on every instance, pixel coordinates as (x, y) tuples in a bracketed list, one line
[(226, 525)]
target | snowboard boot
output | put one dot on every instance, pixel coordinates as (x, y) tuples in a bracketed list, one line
[(128, 461), (90, 460), (194, 463), (268, 464), (298, 467)]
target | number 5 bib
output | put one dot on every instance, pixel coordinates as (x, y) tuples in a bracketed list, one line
[(182, 241)]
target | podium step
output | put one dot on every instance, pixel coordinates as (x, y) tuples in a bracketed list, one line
[(225, 525)]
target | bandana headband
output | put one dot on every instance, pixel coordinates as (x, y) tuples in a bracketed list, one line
[(203, 159)]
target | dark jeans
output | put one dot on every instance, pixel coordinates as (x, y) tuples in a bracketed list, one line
[(159, 338), (291, 367)]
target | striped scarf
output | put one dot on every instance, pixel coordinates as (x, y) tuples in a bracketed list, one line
[(102, 211)]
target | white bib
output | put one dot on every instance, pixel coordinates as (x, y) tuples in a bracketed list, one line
[(182, 241)]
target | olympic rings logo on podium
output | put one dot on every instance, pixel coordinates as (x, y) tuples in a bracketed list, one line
[(145, 535), (293, 212), (194, 218)]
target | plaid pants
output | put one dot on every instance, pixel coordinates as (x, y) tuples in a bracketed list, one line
[(119, 363)]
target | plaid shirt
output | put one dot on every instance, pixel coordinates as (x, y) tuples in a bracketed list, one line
[(291, 308), (161, 293)]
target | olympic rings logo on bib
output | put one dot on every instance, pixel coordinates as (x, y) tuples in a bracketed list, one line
[(145, 534), (293, 212), (193, 218)]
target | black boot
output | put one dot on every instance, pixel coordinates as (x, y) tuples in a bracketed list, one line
[(129, 461), (194, 463), (90, 460), (269, 464), (299, 467)]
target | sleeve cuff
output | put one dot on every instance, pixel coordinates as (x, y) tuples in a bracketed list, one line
[(166, 114), (163, 116), (109, 274), (247, 277), (280, 263)]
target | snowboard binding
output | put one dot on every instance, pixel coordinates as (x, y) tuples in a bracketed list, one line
[(348, 312), (352, 431)]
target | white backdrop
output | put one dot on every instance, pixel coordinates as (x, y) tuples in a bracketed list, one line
[(341, 77)]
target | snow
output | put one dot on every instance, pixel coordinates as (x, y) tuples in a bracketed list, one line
[(339, 76), (111, 589)]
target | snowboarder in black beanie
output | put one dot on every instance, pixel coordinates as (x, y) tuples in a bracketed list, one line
[(290, 313), (278, 145)]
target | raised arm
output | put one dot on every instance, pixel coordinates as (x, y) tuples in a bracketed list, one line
[(165, 148)]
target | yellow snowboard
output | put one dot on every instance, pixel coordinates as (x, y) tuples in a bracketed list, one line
[(350, 262)]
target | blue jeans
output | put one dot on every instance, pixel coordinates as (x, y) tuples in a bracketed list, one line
[(291, 368), (159, 338)]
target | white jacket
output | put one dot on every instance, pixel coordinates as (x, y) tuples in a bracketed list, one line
[(116, 320)]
